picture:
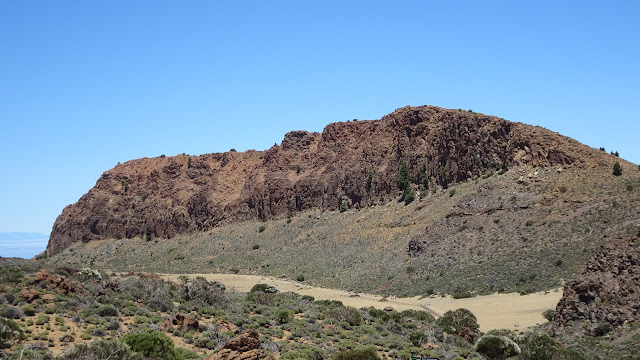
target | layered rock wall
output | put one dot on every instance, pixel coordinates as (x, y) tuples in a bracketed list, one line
[(356, 162)]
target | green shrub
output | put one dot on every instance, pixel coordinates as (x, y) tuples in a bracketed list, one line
[(152, 345), (347, 314), (359, 354), (107, 310), (11, 312), (342, 205), (11, 274), (497, 347), (503, 332), (100, 350), (603, 329), (617, 169), (202, 293), (549, 314), (461, 293), (300, 277), (408, 196), (42, 319), (266, 288), (9, 331), (417, 338), (283, 316), (457, 319), (262, 228), (403, 176), (379, 314), (452, 192), (538, 346)]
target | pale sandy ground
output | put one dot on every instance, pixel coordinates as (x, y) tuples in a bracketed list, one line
[(497, 311)]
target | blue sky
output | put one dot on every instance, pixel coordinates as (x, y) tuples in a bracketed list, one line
[(85, 85)]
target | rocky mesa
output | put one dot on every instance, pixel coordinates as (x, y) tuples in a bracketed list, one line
[(352, 164)]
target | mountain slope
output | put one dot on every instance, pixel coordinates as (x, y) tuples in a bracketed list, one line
[(528, 226), (353, 165)]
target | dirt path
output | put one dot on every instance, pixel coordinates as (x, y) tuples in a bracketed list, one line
[(497, 311)]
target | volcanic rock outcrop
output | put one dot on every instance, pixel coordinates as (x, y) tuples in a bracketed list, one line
[(352, 164), (608, 292)]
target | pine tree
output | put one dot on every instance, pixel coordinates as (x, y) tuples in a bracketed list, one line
[(617, 169)]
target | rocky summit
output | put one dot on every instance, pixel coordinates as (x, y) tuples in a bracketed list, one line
[(353, 164)]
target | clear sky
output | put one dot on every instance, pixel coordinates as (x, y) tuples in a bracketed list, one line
[(87, 84)]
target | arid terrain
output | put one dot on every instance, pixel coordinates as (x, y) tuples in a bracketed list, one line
[(444, 233)]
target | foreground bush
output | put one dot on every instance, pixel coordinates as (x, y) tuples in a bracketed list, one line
[(9, 332), (153, 345), (538, 346), (497, 347), (360, 354), (11, 274), (100, 350), (348, 314), (202, 293), (457, 319)]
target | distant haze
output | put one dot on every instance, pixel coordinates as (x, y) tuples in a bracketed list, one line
[(24, 245)]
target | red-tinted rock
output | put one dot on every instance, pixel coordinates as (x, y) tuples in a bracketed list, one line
[(244, 347), (607, 291), (186, 194)]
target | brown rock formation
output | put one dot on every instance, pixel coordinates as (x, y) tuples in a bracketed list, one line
[(608, 290), (357, 161), (244, 347), (181, 322), (29, 294), (61, 283)]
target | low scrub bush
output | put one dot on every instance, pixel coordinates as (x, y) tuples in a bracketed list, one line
[(202, 293), (538, 346), (457, 319), (497, 347), (347, 314), (100, 350), (418, 338), (10, 331), (153, 345), (11, 274), (107, 310), (12, 312), (359, 354)]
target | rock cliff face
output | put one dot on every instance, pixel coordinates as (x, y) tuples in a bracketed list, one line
[(354, 162), (608, 290)]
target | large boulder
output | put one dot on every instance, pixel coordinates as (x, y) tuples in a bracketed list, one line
[(244, 347), (608, 292)]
